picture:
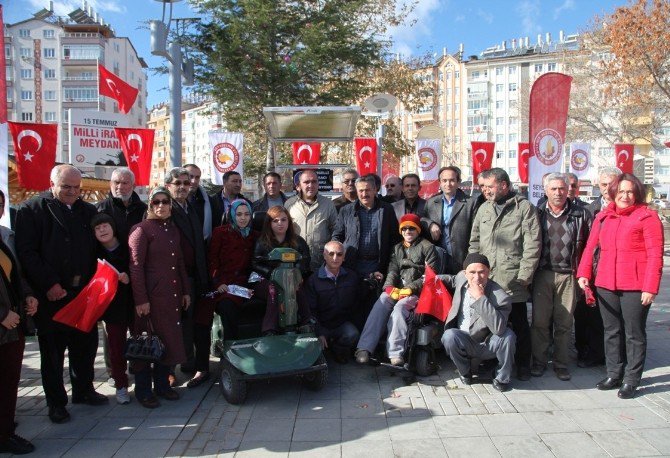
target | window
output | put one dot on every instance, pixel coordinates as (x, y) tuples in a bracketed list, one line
[(49, 95), (457, 106), (500, 121), (513, 120), (74, 94), (500, 138), (26, 74), (26, 116), (50, 116), (499, 71), (8, 52), (26, 95), (511, 71), (500, 104), (512, 137), (512, 171), (511, 154), (551, 66), (24, 33), (25, 52), (513, 103), (66, 115), (500, 87), (49, 53), (475, 74), (500, 154), (49, 73), (512, 87), (538, 68), (457, 74), (48, 33), (82, 52), (117, 48), (10, 95)]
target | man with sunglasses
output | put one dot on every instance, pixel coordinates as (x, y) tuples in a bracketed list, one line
[(332, 294), (348, 189)]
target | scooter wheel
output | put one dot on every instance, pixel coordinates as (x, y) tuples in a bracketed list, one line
[(314, 381), (423, 362), (232, 387)]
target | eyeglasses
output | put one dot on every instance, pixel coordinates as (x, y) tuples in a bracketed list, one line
[(349, 181), (157, 202), (332, 254), (181, 183), (408, 228)]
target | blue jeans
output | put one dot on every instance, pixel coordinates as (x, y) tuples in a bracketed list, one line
[(143, 378), (343, 338)]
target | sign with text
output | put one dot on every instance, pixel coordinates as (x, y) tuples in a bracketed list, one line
[(325, 177), (93, 140)]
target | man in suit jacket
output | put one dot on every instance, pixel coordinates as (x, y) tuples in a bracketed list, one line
[(447, 219), (220, 201), (476, 327), (273, 194), (411, 203)]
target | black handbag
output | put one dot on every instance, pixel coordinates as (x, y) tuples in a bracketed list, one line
[(146, 346)]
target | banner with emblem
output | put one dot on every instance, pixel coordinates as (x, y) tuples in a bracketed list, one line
[(522, 159), (623, 152), (549, 100), (35, 151), (429, 158), (306, 153), (137, 146), (482, 157), (580, 159), (366, 155), (227, 154)]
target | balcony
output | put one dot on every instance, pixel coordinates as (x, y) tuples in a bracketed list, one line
[(79, 82), (69, 62), (83, 103)]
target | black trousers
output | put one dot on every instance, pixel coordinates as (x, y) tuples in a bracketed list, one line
[(11, 356), (82, 348), (589, 332), (519, 320), (625, 321)]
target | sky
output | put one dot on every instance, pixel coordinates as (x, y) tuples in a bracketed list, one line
[(436, 24)]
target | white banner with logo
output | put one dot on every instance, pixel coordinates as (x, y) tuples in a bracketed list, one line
[(580, 159), (546, 157), (227, 154), (429, 158)]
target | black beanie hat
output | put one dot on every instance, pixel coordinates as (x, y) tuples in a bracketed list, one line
[(473, 258)]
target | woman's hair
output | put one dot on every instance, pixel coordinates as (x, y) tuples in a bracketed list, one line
[(267, 236), (639, 190)]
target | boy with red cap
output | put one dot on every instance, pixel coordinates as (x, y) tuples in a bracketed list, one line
[(401, 292)]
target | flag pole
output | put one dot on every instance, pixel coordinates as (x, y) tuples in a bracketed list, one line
[(97, 68)]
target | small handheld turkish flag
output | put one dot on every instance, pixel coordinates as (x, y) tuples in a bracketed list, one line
[(137, 146), (624, 156), (306, 153), (90, 304), (112, 86), (523, 155), (366, 155), (434, 300), (482, 157), (35, 150)]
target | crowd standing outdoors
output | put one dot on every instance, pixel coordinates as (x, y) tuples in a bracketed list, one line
[(363, 260)]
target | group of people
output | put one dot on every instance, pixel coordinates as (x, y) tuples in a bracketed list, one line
[(494, 253)]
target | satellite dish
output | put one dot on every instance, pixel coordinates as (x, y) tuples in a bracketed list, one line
[(379, 104)]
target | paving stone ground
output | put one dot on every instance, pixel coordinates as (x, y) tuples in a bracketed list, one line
[(372, 412)]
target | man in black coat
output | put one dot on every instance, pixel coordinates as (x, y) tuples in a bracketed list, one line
[(232, 187), (122, 203), (273, 194), (199, 200), (57, 249)]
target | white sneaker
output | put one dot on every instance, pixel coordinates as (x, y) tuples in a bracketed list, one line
[(122, 396), (111, 382), (397, 361), (362, 356)]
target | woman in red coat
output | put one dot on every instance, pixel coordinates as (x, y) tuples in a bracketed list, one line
[(160, 289), (628, 274)]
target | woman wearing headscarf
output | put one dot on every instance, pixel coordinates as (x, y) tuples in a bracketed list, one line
[(229, 261), (161, 291), (629, 237)]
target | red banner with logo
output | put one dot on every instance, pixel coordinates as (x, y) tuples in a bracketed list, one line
[(112, 86), (549, 101), (624, 156), (306, 153), (482, 157), (35, 150), (137, 146), (366, 155), (522, 156), (434, 300)]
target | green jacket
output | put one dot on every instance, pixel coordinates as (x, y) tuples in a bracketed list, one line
[(512, 241), (407, 265)]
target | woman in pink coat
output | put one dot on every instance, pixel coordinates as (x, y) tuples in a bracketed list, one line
[(628, 274)]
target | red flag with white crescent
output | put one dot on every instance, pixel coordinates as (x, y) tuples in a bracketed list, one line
[(137, 146), (624, 156), (366, 155), (90, 304), (434, 300), (482, 157), (112, 86), (306, 153), (522, 156), (35, 150)]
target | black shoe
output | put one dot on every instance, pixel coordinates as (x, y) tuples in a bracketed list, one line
[(466, 379), (16, 445), (92, 398), (538, 370), (608, 383), (627, 391), (584, 363), (58, 414), (562, 373), (500, 386), (523, 373), (187, 368), (198, 380)]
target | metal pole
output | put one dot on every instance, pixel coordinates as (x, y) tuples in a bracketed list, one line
[(381, 130), (175, 104)]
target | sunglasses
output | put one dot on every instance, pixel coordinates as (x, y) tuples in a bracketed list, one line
[(181, 183), (332, 254), (158, 202), (408, 228)]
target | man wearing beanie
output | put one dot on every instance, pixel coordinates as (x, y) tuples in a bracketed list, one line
[(401, 292), (476, 326)]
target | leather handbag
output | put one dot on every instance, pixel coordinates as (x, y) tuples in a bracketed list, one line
[(146, 346)]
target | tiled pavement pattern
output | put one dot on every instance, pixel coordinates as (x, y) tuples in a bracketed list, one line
[(366, 411)]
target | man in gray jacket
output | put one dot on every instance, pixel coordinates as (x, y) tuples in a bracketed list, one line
[(477, 321)]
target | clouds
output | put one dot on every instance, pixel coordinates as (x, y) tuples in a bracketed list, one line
[(64, 7), (529, 12), (418, 27), (565, 6), (485, 16)]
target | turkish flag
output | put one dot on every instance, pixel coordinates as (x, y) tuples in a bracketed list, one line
[(429, 188), (522, 156), (624, 156), (482, 157), (112, 86), (90, 304), (366, 155), (306, 153), (137, 146), (35, 151), (434, 300)]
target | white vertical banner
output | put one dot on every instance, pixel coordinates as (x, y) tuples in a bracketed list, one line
[(429, 158), (227, 154), (580, 159)]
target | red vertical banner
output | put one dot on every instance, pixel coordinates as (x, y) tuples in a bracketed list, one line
[(522, 156), (623, 152), (482, 157), (35, 151), (306, 153), (366, 155), (137, 146)]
